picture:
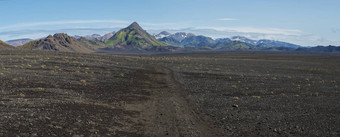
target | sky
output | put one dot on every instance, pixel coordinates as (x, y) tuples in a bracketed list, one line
[(303, 22)]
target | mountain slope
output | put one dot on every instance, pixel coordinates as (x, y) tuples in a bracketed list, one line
[(320, 49), (234, 45), (133, 36), (4, 45), (63, 42), (277, 43), (96, 36), (180, 36), (93, 37), (243, 39), (162, 34), (18, 42), (222, 40), (170, 41), (107, 36), (198, 41)]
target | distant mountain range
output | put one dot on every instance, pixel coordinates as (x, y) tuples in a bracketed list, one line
[(18, 42), (132, 38), (179, 36), (244, 39), (320, 49), (243, 43), (135, 39), (96, 36)]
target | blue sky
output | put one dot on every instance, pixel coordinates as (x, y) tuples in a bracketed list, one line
[(304, 22)]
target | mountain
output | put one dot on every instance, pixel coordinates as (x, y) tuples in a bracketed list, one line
[(179, 36), (263, 45), (171, 41), (264, 42), (18, 42), (174, 39), (63, 42), (222, 40), (162, 35), (329, 48), (4, 45), (96, 36), (277, 43), (183, 39), (133, 37), (107, 36), (234, 45), (243, 39), (93, 37), (197, 41)]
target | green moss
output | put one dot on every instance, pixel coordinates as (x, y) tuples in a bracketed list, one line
[(28, 45), (133, 36), (5, 45)]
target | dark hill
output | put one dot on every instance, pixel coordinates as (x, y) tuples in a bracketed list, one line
[(320, 49), (63, 42)]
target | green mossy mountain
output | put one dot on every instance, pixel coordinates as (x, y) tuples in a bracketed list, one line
[(63, 42), (133, 36), (4, 45)]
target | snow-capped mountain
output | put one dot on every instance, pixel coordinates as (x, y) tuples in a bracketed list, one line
[(179, 36), (96, 36), (162, 34), (243, 39), (276, 43)]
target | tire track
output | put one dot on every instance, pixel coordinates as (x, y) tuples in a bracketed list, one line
[(168, 111)]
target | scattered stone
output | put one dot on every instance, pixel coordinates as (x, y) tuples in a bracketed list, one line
[(258, 97), (236, 98), (235, 106)]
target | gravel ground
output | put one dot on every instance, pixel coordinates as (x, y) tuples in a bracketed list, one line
[(192, 94)]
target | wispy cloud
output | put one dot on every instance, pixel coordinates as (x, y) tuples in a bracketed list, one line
[(50, 23), (226, 19), (256, 30)]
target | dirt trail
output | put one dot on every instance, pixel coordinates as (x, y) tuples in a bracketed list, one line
[(168, 111)]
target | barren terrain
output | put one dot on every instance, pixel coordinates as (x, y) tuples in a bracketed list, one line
[(191, 94)]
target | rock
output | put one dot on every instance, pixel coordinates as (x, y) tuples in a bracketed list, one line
[(236, 98)]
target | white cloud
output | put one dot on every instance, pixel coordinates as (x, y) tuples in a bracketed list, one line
[(227, 19)]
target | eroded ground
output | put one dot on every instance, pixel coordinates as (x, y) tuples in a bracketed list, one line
[(197, 94)]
